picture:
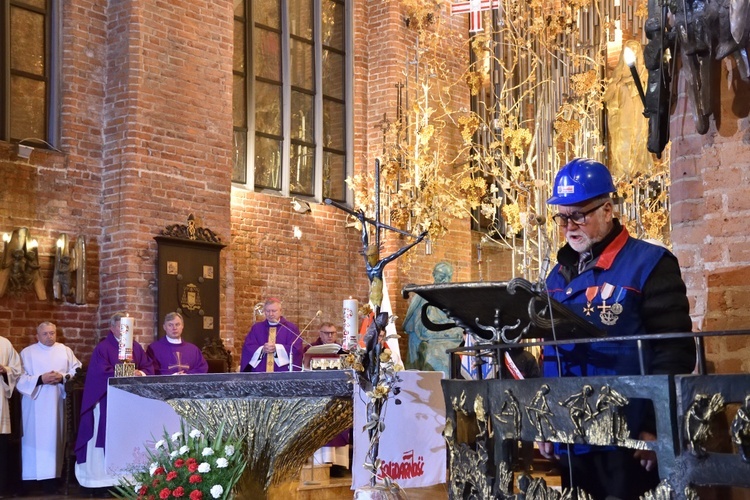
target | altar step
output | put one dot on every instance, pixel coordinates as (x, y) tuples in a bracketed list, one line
[(316, 483), (337, 488)]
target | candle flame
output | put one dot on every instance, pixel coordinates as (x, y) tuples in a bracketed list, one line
[(628, 56)]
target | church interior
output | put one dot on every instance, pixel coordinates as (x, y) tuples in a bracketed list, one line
[(204, 156)]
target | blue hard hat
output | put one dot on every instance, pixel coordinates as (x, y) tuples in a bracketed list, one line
[(579, 180)]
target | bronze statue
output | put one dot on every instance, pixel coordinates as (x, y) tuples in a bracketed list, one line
[(626, 124), (740, 430), (19, 266), (610, 402), (427, 348), (658, 87), (373, 263), (538, 412), (511, 410), (580, 410), (68, 261), (698, 421)]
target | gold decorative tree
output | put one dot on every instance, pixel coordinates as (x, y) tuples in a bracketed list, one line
[(537, 79)]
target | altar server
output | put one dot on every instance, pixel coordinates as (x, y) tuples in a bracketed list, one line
[(90, 470), (47, 365), (273, 344), (173, 356), (10, 370)]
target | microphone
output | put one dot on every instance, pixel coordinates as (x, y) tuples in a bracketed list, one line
[(317, 315)]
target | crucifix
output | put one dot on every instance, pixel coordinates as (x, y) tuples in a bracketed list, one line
[(179, 364), (373, 263), (475, 9), (374, 339)]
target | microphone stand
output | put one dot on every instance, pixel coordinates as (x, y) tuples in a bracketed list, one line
[(539, 286), (298, 336)]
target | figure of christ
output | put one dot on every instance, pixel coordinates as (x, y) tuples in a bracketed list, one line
[(374, 264)]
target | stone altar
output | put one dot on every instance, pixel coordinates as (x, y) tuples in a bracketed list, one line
[(284, 416)]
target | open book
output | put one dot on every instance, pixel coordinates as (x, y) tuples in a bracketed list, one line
[(324, 349)]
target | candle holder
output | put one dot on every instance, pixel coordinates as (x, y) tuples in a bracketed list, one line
[(629, 57)]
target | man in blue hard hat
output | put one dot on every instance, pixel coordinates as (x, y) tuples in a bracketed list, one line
[(623, 286)]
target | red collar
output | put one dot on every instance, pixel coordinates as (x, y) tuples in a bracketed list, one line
[(608, 255)]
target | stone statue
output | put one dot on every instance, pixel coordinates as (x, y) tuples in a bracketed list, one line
[(426, 347)]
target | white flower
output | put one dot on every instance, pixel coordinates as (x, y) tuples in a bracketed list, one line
[(159, 444), (152, 468), (137, 487), (222, 462), (195, 433), (207, 452), (174, 454), (184, 449), (177, 435), (216, 490), (203, 468), (229, 450)]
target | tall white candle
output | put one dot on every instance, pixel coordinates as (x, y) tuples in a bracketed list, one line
[(351, 331), (125, 352)]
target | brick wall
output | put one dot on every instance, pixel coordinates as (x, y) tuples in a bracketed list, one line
[(54, 198), (147, 131), (147, 139), (316, 272), (167, 132), (710, 206)]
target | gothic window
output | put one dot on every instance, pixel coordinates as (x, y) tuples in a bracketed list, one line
[(291, 86), (27, 65)]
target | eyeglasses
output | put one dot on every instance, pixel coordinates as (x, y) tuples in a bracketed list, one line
[(578, 218)]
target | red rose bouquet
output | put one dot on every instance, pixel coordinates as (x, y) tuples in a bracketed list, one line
[(188, 465)]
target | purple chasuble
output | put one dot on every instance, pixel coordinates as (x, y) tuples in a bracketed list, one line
[(171, 358), (287, 334), (100, 369)]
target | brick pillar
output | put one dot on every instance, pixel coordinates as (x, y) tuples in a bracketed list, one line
[(167, 143)]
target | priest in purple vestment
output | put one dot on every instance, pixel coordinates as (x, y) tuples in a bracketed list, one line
[(336, 451), (273, 345), (173, 356), (89, 468)]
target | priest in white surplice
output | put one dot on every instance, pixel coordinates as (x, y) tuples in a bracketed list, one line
[(10, 370), (47, 365)]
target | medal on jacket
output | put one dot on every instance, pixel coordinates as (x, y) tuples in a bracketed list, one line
[(608, 316), (590, 294), (617, 307)]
